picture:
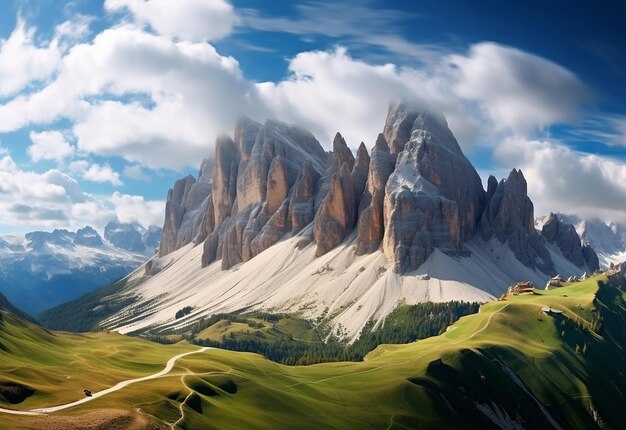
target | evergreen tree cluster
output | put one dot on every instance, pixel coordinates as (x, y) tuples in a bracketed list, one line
[(405, 324)]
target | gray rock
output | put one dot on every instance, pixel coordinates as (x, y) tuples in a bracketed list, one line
[(564, 236), (509, 216), (224, 178), (174, 212), (302, 202), (446, 195), (337, 214), (371, 227), (251, 204), (360, 172), (591, 258)]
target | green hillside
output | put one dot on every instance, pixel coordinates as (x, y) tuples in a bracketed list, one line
[(511, 364)]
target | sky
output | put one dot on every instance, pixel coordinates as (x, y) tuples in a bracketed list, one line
[(104, 104)]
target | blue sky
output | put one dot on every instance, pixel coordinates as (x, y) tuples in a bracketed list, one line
[(103, 104)]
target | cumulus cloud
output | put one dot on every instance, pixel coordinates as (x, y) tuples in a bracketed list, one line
[(518, 90), (95, 172), (195, 20), (330, 91), (167, 100), (22, 61), (54, 199), (561, 179), (135, 209), (7, 164), (188, 94), (49, 145), (135, 172)]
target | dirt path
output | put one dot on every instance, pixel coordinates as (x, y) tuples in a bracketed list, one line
[(482, 329), (168, 367)]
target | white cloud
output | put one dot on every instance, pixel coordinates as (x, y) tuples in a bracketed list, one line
[(95, 172), (49, 145), (195, 20), (161, 103), (98, 173), (561, 179), (188, 95), (22, 61), (78, 166), (518, 90), (54, 199), (7, 164), (135, 172), (129, 209), (329, 91)]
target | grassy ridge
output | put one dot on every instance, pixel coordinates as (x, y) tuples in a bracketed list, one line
[(510, 363)]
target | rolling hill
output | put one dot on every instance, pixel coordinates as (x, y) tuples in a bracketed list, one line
[(552, 358)]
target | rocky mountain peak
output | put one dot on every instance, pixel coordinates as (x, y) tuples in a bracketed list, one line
[(509, 216), (414, 193), (447, 197), (341, 153), (564, 236), (87, 236)]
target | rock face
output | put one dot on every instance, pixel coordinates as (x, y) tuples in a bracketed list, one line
[(360, 173), (564, 236), (591, 258), (371, 226), (415, 193), (185, 209), (509, 217), (337, 214), (434, 197), (267, 190), (302, 202)]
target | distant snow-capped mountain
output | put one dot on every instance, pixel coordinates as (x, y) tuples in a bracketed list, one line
[(42, 269)]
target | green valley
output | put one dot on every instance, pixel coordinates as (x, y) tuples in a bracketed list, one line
[(547, 359)]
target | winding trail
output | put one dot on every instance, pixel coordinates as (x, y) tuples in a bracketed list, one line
[(485, 326), (168, 367)]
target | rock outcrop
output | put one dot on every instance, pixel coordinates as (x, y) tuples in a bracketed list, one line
[(337, 214), (564, 237), (360, 172), (415, 193), (509, 217), (434, 197), (302, 201), (268, 166), (174, 211), (371, 227), (185, 209)]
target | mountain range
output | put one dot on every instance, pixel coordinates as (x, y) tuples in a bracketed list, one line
[(40, 269), (274, 222)]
